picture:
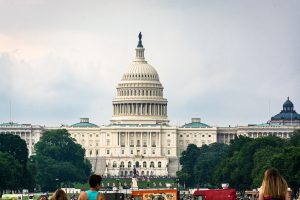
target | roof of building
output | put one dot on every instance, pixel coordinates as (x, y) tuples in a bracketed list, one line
[(10, 124), (195, 125), (286, 116), (288, 112), (84, 124)]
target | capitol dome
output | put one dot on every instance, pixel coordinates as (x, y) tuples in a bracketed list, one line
[(140, 94), (140, 71)]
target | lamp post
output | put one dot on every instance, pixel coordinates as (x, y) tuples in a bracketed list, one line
[(117, 184), (178, 187), (57, 182)]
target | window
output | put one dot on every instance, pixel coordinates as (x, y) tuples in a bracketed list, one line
[(169, 142), (153, 151), (145, 152), (151, 164), (153, 143), (145, 143), (122, 164), (131, 143), (169, 152), (91, 152), (144, 164), (129, 164), (180, 135), (209, 135), (107, 152), (122, 151), (168, 135), (91, 135), (137, 164), (159, 164), (114, 164), (131, 151)]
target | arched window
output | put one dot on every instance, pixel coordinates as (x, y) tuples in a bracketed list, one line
[(114, 164), (159, 164), (137, 164), (129, 164), (122, 164), (144, 164), (151, 164)]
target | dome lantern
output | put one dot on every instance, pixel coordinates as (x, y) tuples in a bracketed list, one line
[(140, 50)]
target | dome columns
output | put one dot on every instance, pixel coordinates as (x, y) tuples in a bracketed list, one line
[(140, 109)]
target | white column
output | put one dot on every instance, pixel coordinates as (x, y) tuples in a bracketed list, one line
[(141, 143), (127, 139), (134, 139), (148, 139)]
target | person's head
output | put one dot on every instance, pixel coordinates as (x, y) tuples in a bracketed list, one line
[(95, 181), (274, 184), (59, 195)]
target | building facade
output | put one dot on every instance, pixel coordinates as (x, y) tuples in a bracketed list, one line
[(140, 136), (30, 133)]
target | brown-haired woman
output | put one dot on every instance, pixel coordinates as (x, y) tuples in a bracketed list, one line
[(274, 186), (59, 194)]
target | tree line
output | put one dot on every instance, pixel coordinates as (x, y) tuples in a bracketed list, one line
[(242, 163), (58, 160)]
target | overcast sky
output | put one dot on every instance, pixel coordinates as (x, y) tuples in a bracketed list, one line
[(227, 62)]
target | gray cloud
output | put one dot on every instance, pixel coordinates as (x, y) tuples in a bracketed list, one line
[(224, 61)]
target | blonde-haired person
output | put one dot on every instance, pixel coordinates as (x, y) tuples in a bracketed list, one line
[(59, 194), (274, 186)]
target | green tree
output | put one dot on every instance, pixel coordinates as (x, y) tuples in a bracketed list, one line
[(288, 163), (209, 157), (10, 172), (237, 167), (59, 159), (295, 138), (15, 146), (261, 162), (187, 160)]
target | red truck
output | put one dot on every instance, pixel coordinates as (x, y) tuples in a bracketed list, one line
[(215, 194)]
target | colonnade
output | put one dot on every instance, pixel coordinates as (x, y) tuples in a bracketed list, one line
[(156, 109), (153, 139)]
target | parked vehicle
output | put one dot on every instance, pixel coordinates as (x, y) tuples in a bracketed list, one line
[(215, 194)]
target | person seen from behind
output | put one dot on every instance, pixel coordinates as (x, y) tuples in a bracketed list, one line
[(274, 186), (92, 193), (59, 194)]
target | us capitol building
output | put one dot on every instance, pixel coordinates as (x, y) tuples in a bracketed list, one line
[(140, 136)]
